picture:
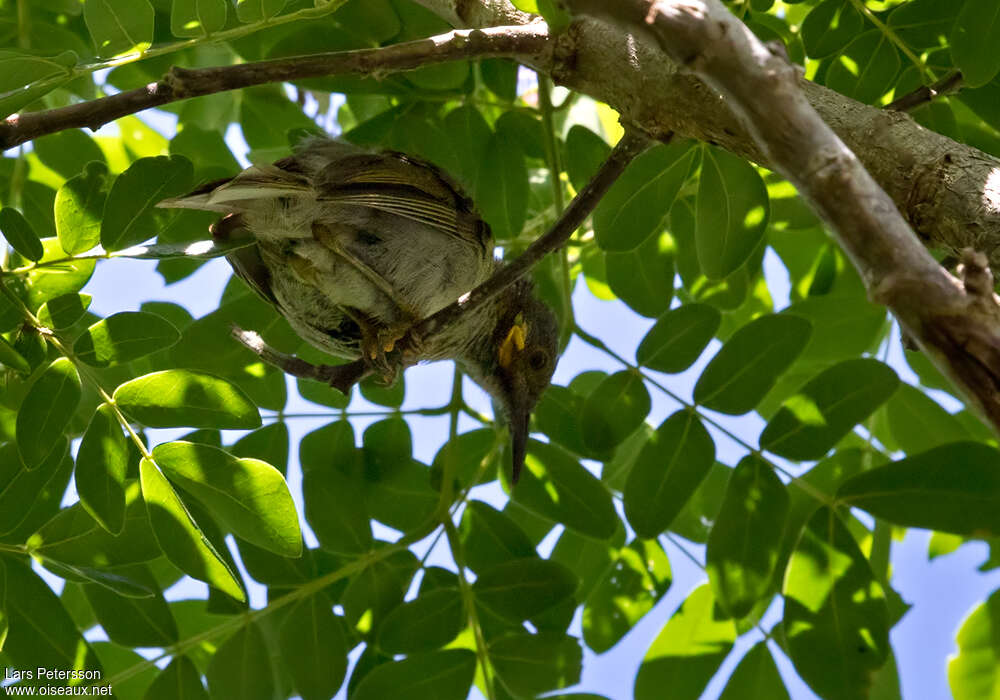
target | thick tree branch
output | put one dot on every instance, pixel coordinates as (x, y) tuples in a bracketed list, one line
[(519, 42), (947, 191), (956, 322)]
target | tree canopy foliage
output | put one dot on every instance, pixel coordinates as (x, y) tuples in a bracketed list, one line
[(845, 450)]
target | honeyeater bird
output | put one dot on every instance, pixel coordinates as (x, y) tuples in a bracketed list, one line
[(353, 247)]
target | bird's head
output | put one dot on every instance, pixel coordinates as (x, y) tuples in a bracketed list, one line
[(525, 349)]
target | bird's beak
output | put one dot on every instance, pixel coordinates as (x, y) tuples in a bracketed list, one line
[(519, 414)]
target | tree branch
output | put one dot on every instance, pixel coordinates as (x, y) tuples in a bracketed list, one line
[(944, 189), (519, 42), (957, 324), (925, 93)]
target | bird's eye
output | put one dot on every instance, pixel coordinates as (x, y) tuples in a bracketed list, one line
[(538, 359)]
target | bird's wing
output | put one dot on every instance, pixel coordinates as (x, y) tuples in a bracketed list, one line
[(247, 262), (400, 185), (256, 183)]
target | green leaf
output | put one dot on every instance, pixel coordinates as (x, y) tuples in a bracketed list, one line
[(41, 632), (20, 234), (918, 423), (923, 24), (179, 536), (377, 590), (636, 579), (269, 444), (756, 678), (668, 470), (424, 624), (101, 467), (249, 497), (73, 537), (438, 675), (974, 672), (18, 69), (952, 488), (314, 649), (687, 652), (197, 17), (181, 680), (530, 664), (68, 151), (502, 186), (500, 76), (637, 204), (614, 410), (64, 311), (129, 214), (731, 213), (119, 26), (46, 411), (866, 69), (79, 208), (678, 338), (585, 151), (644, 278), (555, 486), (12, 358), (123, 337), (750, 362), (22, 490), (973, 41), (241, 668), (827, 407), (522, 588), (257, 10), (134, 622), (745, 541), (834, 609), (336, 511), (49, 282), (178, 397), (829, 27), (843, 326), (489, 537)]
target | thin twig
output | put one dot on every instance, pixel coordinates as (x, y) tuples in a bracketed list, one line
[(183, 83), (925, 93)]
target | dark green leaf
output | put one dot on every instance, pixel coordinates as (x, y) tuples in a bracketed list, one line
[(555, 486), (637, 578), (133, 622), (668, 470), (177, 397), (129, 214), (20, 234), (614, 410), (644, 278), (952, 488), (530, 664), (314, 649), (424, 624), (119, 26), (68, 151), (502, 186), (678, 338), (249, 497), (731, 210), (745, 541), (750, 362), (829, 27), (123, 337), (180, 680), (756, 678), (101, 466), (827, 407), (866, 69), (64, 311), (834, 609), (46, 411), (197, 17), (179, 536), (336, 511), (637, 204), (923, 24), (79, 207), (437, 675), (241, 668), (269, 444), (489, 537), (585, 151), (500, 76), (918, 423), (973, 41), (49, 282), (12, 358), (687, 652), (523, 588)]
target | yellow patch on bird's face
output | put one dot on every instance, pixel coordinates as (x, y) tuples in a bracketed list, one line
[(513, 343)]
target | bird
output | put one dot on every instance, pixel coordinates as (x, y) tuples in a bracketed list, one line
[(355, 246)]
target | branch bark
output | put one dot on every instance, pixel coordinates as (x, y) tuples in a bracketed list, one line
[(944, 189), (519, 42), (957, 323)]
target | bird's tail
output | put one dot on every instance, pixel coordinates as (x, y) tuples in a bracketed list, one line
[(257, 183)]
